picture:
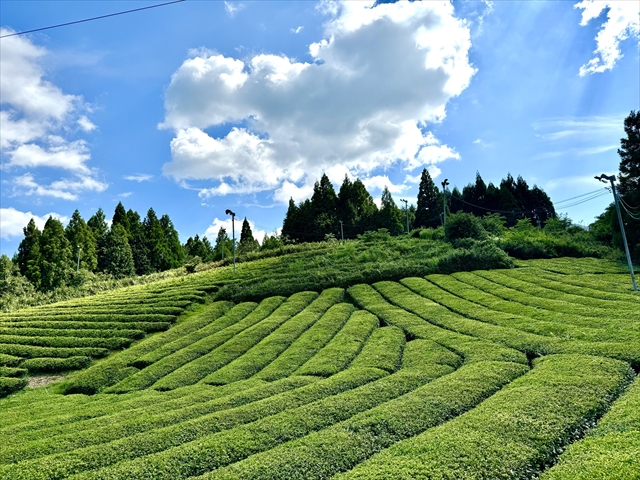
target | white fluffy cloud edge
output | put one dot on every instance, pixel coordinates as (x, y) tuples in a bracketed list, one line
[(212, 231), (361, 105), (623, 21), (38, 123), (12, 221)]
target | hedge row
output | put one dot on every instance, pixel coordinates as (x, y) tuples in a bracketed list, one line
[(111, 343), (515, 433), (118, 426), (215, 451), (9, 360), (115, 368), (206, 323), (199, 364), (53, 365), (577, 266), (80, 317), (12, 372), (82, 333), (611, 450), (267, 350), (309, 343), (383, 349), (28, 351), (91, 310), (342, 348), (524, 316), (471, 349), (219, 333), (420, 353), (8, 385), (341, 447), (143, 444), (460, 304), (622, 308), (147, 327)]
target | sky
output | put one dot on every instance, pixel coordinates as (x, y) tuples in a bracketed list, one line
[(202, 106)]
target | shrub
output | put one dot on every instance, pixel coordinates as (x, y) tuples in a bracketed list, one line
[(464, 225), (9, 360), (12, 372), (54, 365), (481, 256), (9, 385)]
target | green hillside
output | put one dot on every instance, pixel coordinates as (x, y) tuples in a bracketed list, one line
[(370, 363)]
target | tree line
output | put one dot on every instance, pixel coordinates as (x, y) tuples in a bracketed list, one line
[(352, 211), (131, 245)]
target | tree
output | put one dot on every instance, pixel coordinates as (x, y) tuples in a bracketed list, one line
[(138, 244), (224, 245), (629, 152), (247, 242), (156, 242), (120, 217), (98, 225), (324, 202), (80, 235), (57, 256), (175, 254), (29, 257), (389, 215), (429, 203), (118, 257)]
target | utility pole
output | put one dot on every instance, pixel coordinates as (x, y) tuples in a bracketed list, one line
[(341, 231), (233, 232), (78, 266), (603, 178), (444, 205), (406, 207)]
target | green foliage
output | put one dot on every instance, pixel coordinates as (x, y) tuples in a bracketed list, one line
[(429, 203), (83, 242), (118, 259), (480, 256), (29, 255), (464, 225), (54, 365), (8, 385)]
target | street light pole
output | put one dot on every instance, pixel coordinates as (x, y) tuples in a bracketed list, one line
[(233, 232), (603, 178), (444, 205), (78, 266), (406, 207), (341, 231)]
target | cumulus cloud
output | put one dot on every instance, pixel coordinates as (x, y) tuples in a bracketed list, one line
[(37, 121), (375, 81), (12, 221), (623, 21), (212, 231)]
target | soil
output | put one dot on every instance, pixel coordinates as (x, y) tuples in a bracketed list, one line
[(44, 380)]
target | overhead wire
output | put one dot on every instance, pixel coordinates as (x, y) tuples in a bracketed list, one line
[(628, 206), (91, 19), (577, 196)]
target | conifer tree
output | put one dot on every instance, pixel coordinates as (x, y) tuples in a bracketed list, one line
[(247, 242), (389, 215), (57, 256), (138, 244), (223, 245), (98, 225), (429, 202), (290, 224), (156, 242), (120, 217), (29, 256), (175, 254), (118, 257), (324, 203), (80, 235)]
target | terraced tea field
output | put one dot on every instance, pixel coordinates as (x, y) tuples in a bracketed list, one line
[(474, 375)]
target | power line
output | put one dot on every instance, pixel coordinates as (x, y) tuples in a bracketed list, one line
[(578, 196), (584, 200), (628, 206), (91, 19)]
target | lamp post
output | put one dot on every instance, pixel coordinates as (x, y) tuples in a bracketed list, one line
[(603, 178), (233, 230), (78, 265), (341, 231), (406, 207), (444, 205)]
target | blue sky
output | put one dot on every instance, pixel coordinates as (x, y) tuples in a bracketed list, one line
[(201, 106)]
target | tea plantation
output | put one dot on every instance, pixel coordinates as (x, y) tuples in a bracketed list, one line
[(516, 373)]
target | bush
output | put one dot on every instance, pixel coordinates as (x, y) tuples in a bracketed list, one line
[(54, 365), (464, 225), (12, 372), (481, 256), (10, 385)]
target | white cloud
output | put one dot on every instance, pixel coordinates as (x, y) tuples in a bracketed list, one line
[(233, 7), (141, 177), (302, 119), (576, 128), (212, 231), (378, 182), (12, 221), (623, 21), (37, 121), (297, 29), (125, 194)]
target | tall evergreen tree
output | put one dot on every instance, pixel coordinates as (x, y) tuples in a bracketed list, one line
[(429, 202), (118, 257), (57, 256), (290, 224), (29, 258), (175, 256), (98, 225), (156, 242), (120, 217), (247, 242), (389, 215), (629, 152), (138, 243), (80, 235), (223, 247), (324, 203), (364, 208)]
